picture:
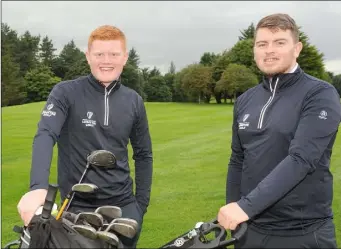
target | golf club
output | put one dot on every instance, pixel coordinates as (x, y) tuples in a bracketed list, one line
[(69, 216), (79, 187), (86, 231), (109, 213), (123, 229), (110, 238), (127, 221), (94, 219), (98, 158)]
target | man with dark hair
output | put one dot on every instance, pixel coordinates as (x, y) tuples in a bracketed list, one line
[(279, 178)]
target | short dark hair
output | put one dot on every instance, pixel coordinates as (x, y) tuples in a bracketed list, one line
[(280, 21)]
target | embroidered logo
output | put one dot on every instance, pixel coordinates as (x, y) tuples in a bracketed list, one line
[(244, 124), (88, 121), (48, 112), (89, 114), (323, 114)]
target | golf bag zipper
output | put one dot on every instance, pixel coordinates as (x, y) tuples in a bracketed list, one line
[(262, 113)]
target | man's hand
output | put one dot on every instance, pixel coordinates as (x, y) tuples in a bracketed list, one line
[(231, 215), (29, 203)]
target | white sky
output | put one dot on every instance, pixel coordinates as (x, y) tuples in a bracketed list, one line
[(178, 31)]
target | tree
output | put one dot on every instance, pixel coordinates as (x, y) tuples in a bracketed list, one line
[(154, 72), (236, 79), (131, 78), (311, 60), (337, 83), (79, 68), (248, 33), (26, 54), (197, 82), (39, 83), (242, 53), (133, 58), (47, 51), (12, 84), (69, 56), (157, 90), (172, 68), (145, 73), (208, 59), (9, 40)]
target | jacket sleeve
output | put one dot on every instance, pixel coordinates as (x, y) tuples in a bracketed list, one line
[(316, 130), (51, 121), (236, 163), (143, 156)]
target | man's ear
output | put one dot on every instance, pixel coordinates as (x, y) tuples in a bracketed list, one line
[(126, 57), (298, 49), (87, 55)]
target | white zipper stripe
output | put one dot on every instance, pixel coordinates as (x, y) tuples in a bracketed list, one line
[(261, 117), (106, 105), (262, 111)]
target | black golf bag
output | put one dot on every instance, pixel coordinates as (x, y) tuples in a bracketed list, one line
[(44, 231)]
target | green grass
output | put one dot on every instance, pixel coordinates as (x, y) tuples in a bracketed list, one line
[(191, 145)]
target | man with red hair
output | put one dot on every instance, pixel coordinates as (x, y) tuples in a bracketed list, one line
[(90, 113)]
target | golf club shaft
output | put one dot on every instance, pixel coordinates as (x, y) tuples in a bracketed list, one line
[(73, 194), (66, 201)]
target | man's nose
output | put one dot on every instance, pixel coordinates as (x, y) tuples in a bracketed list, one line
[(106, 58), (270, 48)]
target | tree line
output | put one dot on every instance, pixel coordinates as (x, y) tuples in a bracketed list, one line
[(30, 69)]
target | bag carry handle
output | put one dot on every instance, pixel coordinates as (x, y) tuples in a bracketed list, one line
[(49, 201)]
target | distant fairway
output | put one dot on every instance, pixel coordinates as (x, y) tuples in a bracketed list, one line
[(191, 145)]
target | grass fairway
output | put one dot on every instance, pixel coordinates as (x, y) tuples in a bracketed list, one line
[(191, 145)]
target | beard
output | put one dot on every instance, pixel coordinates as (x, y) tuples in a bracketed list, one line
[(275, 70)]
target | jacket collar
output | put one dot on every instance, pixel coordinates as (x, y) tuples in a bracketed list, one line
[(283, 80), (115, 85)]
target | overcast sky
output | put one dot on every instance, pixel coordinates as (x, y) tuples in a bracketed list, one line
[(179, 31)]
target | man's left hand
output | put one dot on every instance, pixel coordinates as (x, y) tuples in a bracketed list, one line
[(231, 215)]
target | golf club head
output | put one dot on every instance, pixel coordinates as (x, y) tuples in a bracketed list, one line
[(127, 221), (84, 187), (94, 219), (102, 158), (123, 229), (86, 231), (110, 238), (109, 213)]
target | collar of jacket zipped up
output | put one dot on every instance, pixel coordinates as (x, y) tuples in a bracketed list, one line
[(285, 80)]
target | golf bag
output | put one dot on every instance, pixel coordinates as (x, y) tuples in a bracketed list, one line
[(44, 231)]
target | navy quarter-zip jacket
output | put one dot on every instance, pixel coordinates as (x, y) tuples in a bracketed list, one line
[(81, 116), (283, 134)]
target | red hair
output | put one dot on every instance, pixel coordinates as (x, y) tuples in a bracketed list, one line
[(106, 33)]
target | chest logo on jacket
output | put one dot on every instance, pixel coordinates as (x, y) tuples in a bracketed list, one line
[(244, 124), (88, 121)]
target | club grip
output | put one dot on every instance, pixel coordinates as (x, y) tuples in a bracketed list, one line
[(49, 201)]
